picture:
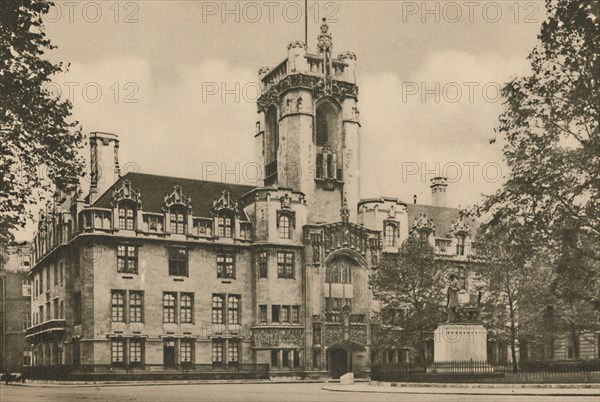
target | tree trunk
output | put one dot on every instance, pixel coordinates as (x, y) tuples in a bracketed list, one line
[(513, 335)]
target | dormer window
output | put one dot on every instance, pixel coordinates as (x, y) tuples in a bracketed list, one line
[(127, 214), (178, 219), (390, 235), (225, 225), (460, 244), (284, 227)]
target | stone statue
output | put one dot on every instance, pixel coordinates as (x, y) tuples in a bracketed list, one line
[(452, 303)]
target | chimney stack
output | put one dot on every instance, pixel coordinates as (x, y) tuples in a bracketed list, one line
[(438, 191), (104, 163)]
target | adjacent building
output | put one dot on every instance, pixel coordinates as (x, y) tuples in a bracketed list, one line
[(15, 306)]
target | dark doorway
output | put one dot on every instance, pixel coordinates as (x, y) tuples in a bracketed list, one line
[(169, 354), (339, 362)]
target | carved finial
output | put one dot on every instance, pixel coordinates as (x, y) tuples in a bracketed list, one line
[(345, 211), (325, 43)]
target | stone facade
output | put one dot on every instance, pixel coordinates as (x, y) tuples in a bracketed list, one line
[(158, 273)]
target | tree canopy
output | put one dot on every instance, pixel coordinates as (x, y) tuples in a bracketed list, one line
[(551, 135), (39, 142), (411, 286)]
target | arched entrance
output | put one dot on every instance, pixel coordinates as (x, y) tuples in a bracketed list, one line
[(339, 362), (339, 357)]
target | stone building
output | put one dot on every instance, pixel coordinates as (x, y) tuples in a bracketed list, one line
[(15, 306), (154, 273)]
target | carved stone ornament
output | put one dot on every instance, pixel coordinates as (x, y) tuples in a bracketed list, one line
[(296, 44), (278, 337), (126, 192), (460, 227), (423, 224), (177, 197), (339, 90), (225, 202), (286, 202)]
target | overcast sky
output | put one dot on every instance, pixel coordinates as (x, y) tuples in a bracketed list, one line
[(154, 60)]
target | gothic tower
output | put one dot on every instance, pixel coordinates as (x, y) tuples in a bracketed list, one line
[(308, 135)]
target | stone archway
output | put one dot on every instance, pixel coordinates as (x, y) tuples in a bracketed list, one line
[(339, 362)]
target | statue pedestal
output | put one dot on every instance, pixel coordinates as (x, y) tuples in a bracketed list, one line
[(462, 341)]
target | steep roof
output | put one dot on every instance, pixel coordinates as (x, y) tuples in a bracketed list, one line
[(442, 218), (154, 187)]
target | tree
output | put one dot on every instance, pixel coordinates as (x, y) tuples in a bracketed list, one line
[(411, 281), (507, 278), (551, 134), (38, 144)]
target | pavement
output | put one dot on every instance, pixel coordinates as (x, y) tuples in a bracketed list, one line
[(470, 389), (362, 386)]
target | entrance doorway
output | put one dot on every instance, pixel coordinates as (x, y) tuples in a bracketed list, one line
[(339, 362), (169, 354)]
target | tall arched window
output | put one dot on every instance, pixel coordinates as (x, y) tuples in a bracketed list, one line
[(340, 270), (272, 143), (284, 227), (225, 224), (460, 244), (326, 126), (390, 235), (178, 219), (127, 214), (327, 141)]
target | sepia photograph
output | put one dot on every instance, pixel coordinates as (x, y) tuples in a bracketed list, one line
[(300, 200)]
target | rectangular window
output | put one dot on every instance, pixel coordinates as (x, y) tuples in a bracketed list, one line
[(26, 288), (262, 312), (55, 266), (62, 273), (118, 306), (47, 278), (127, 259), (225, 266), (62, 310), (232, 351), (126, 217), (295, 314), (136, 306), (217, 351), (117, 352), (463, 277), (55, 309), (275, 310), (285, 313), (224, 226), (186, 348), (263, 266), (274, 358), (48, 312), (187, 308), (169, 307), (233, 309), (178, 262), (41, 290), (285, 265), (135, 351), (41, 313), (36, 288), (178, 221), (218, 305)]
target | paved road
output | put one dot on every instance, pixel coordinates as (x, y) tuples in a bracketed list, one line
[(237, 392)]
